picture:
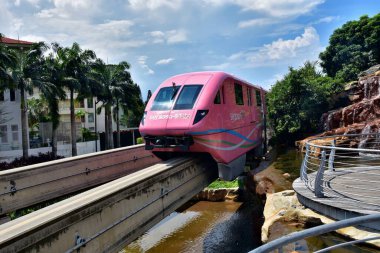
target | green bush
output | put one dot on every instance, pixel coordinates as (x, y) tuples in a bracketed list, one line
[(140, 140)]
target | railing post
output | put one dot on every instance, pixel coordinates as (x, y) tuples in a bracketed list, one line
[(303, 172), (332, 156), (318, 189)]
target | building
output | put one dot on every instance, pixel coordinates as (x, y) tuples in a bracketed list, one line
[(10, 106)]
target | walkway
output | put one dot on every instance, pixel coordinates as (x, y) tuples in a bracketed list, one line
[(342, 185)]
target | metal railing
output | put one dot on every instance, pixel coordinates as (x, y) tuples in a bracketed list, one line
[(346, 166), (280, 243)]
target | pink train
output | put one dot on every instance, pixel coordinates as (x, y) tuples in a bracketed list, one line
[(208, 112)]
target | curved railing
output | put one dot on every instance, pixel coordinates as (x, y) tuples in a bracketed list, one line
[(280, 243), (345, 166)]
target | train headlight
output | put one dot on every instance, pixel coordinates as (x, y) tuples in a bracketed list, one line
[(143, 118), (199, 116)]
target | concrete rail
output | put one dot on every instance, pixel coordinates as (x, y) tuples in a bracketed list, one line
[(25, 186), (107, 217)]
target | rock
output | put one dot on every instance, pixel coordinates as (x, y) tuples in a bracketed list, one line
[(217, 195), (371, 71), (264, 185), (284, 206)]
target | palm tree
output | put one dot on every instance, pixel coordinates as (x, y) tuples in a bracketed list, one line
[(115, 81), (73, 64), (52, 94), (26, 74), (7, 61)]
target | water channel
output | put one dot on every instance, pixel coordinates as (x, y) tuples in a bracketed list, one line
[(231, 226)]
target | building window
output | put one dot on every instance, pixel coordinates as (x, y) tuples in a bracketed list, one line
[(14, 129), (258, 98), (2, 96), (90, 117), (83, 119), (81, 103), (239, 94), (3, 134), (12, 94), (90, 103)]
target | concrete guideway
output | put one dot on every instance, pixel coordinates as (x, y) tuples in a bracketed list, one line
[(107, 217), (25, 186)]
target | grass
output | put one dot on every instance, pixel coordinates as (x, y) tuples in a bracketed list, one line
[(217, 184)]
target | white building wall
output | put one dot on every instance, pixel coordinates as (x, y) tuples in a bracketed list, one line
[(13, 136)]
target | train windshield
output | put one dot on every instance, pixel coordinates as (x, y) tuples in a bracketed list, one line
[(187, 97), (164, 99)]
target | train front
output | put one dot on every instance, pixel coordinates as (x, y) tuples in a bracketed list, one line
[(174, 108)]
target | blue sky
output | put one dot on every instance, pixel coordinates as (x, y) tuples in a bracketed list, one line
[(256, 40)]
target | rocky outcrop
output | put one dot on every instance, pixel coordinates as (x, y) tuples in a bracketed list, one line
[(361, 110), (284, 206), (363, 107)]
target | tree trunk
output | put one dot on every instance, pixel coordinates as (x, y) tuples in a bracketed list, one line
[(73, 126), (54, 143), (110, 132), (117, 126), (106, 139), (24, 126)]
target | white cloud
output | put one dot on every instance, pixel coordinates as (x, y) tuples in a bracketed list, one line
[(286, 52), (221, 66), (73, 9), (327, 19), (155, 4), (116, 27), (170, 37), (142, 61), (257, 22), (164, 61), (288, 48), (275, 8), (176, 36)]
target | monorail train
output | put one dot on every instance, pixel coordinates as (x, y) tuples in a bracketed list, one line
[(211, 112)]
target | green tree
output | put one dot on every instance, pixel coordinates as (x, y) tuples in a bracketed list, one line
[(73, 66), (118, 91), (7, 62), (54, 75), (25, 75), (352, 48), (296, 103)]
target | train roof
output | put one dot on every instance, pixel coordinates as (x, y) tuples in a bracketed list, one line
[(222, 75)]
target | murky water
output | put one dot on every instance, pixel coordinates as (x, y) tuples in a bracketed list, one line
[(232, 226), (204, 227)]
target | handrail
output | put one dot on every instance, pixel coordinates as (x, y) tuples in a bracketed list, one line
[(293, 237)]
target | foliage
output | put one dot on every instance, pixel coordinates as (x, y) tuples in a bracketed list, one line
[(296, 103), (353, 48), (37, 111), (217, 184), (19, 162), (140, 140), (87, 134)]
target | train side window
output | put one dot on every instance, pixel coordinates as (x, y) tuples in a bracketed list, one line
[(249, 96), (217, 99), (258, 98), (239, 94)]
